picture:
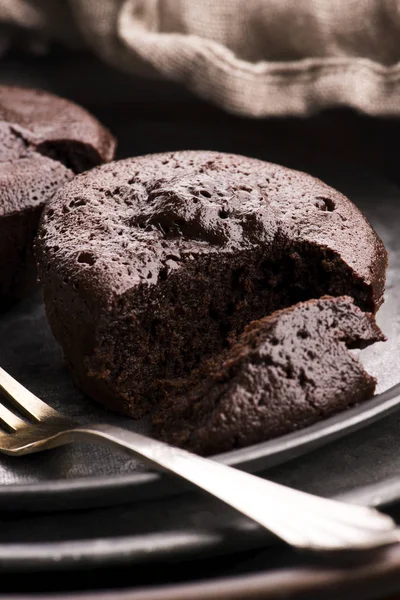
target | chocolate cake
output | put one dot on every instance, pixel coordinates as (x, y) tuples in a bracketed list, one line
[(150, 265), (44, 141), (286, 371)]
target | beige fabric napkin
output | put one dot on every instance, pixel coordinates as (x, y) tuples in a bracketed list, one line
[(252, 57)]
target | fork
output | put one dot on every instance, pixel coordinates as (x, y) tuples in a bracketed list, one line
[(304, 521)]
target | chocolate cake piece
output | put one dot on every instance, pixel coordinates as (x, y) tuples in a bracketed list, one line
[(44, 141), (286, 371), (149, 265)]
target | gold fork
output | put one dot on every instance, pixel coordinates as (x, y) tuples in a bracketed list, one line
[(302, 520)]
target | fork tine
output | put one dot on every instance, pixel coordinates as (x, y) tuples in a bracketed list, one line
[(10, 420), (27, 402)]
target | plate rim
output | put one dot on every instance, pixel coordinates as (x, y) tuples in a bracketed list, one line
[(104, 490), (123, 550), (292, 583)]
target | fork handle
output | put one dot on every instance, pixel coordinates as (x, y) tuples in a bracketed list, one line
[(302, 520)]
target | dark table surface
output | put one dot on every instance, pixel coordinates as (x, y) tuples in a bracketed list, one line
[(148, 116)]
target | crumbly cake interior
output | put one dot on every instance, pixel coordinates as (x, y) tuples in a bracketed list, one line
[(197, 310), (284, 372)]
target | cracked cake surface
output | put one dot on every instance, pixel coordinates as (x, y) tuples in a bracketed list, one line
[(151, 266), (44, 142)]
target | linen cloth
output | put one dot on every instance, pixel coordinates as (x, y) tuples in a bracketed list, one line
[(251, 57)]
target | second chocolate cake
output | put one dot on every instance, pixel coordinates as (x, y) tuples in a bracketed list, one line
[(150, 265), (44, 141)]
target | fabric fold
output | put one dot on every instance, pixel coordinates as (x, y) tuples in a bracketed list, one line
[(258, 58)]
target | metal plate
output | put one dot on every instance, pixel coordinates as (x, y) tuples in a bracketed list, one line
[(88, 475)]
